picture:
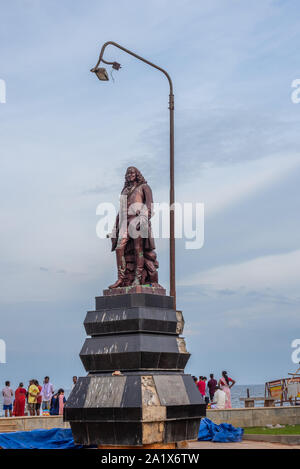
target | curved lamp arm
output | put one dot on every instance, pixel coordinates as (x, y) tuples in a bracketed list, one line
[(134, 55)]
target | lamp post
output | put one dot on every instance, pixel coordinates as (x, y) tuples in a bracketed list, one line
[(103, 76), (115, 408)]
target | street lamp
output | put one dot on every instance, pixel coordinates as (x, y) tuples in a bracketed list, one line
[(103, 76)]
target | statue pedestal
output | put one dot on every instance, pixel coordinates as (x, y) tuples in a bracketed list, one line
[(155, 290), (152, 401)]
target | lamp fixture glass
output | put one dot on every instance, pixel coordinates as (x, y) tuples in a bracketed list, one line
[(101, 74)]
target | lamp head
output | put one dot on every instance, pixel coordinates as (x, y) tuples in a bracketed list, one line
[(101, 73)]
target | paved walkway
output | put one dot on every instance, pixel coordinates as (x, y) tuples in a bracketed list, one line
[(242, 445)]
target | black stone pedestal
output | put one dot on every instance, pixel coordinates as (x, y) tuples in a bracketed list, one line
[(152, 401)]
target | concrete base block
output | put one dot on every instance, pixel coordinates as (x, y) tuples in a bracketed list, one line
[(134, 410)]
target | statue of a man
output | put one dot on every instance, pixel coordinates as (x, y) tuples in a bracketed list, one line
[(132, 237)]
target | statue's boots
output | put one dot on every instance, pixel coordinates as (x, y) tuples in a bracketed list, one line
[(139, 268), (121, 270), (118, 283)]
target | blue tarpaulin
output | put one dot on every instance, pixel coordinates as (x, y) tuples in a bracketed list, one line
[(59, 438), (223, 433), (56, 438)]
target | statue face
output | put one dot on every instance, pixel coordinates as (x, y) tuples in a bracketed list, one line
[(130, 175)]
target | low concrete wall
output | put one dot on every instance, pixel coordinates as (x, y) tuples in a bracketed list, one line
[(20, 424), (256, 416), (251, 417)]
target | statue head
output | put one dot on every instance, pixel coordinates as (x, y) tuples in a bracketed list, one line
[(133, 175)]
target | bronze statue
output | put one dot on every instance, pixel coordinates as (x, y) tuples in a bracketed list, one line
[(132, 235)]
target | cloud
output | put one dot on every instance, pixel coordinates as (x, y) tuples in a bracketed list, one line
[(224, 186), (103, 189), (222, 135), (269, 276)]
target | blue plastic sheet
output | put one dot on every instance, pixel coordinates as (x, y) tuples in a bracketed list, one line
[(223, 433), (56, 438), (59, 438)]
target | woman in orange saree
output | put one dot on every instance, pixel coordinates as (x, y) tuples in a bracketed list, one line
[(20, 398)]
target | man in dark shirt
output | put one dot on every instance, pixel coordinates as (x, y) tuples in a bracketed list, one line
[(212, 384)]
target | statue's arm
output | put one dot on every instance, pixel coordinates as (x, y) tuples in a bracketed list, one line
[(148, 200), (115, 234)]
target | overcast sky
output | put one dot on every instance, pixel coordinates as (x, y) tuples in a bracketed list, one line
[(67, 139)]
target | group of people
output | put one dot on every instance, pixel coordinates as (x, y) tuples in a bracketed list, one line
[(36, 396), (216, 393)]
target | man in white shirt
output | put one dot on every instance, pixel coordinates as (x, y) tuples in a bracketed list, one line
[(47, 393), (219, 399), (7, 394)]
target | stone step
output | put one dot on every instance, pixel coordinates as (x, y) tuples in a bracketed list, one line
[(8, 428), (134, 299), (134, 319), (134, 352)]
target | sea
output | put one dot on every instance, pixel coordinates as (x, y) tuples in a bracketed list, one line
[(237, 391)]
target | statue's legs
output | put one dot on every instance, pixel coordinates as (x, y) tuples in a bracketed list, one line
[(139, 260), (121, 264)]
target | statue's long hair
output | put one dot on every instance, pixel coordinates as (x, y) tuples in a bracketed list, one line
[(140, 178)]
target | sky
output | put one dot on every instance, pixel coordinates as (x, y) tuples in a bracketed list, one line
[(66, 140)]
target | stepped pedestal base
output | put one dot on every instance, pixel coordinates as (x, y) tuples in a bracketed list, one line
[(152, 402)]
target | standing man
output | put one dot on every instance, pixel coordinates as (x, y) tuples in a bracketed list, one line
[(7, 394), (212, 384), (33, 392), (47, 393), (201, 386), (39, 398), (74, 381)]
